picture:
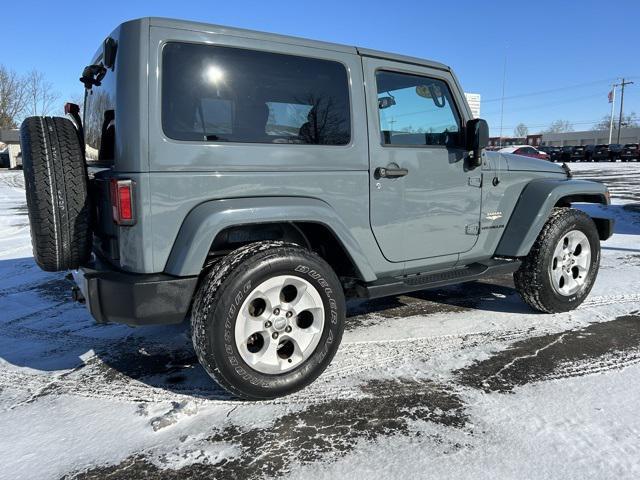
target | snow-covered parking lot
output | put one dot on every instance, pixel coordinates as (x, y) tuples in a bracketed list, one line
[(460, 382)]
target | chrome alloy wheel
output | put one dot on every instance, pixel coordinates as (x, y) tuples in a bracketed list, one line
[(279, 325), (569, 267)]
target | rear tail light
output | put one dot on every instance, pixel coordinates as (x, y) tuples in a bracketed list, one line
[(71, 108), (122, 205)]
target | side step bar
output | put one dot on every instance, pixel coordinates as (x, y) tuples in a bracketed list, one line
[(412, 283)]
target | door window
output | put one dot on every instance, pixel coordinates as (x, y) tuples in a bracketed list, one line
[(416, 111)]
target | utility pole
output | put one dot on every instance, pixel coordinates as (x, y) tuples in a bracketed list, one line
[(622, 84), (613, 106)]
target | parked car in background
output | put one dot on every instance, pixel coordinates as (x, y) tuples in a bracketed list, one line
[(615, 149), (525, 150), (597, 153), (577, 154), (631, 151), (553, 152), (565, 153)]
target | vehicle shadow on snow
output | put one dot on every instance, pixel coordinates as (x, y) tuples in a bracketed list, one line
[(163, 357), (495, 294), (42, 329)]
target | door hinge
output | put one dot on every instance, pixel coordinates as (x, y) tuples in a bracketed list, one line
[(475, 181), (473, 229)]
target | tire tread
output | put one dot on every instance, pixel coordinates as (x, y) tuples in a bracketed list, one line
[(57, 193), (530, 279), (208, 296)]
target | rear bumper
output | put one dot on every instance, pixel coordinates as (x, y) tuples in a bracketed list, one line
[(134, 299)]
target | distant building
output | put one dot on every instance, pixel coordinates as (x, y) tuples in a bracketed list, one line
[(11, 138), (473, 99), (590, 137), (533, 140)]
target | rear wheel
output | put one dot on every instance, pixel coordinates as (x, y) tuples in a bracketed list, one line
[(563, 263), (57, 197), (268, 319)]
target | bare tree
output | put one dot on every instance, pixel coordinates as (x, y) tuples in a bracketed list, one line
[(41, 97), (629, 120), (13, 98), (559, 126), (521, 130)]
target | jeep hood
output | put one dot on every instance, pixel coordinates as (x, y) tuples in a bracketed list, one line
[(529, 164)]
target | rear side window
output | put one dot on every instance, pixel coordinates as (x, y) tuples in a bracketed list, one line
[(99, 121), (224, 94), (416, 110)]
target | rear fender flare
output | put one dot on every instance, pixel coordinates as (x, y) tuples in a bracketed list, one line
[(206, 220)]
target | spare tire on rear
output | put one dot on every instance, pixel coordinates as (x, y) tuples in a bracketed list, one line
[(55, 176)]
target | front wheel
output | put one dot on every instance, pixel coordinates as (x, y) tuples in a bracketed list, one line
[(561, 268), (268, 319)]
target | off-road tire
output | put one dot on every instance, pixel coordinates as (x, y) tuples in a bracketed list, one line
[(57, 198), (222, 292), (532, 279)]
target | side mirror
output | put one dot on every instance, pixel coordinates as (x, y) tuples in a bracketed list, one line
[(477, 138)]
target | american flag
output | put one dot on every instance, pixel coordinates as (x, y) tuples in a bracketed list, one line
[(610, 96)]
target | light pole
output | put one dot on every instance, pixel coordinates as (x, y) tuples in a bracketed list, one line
[(504, 80)]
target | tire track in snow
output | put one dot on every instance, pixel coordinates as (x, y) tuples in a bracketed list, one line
[(97, 379)]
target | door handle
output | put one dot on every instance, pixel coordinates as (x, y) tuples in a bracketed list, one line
[(392, 171)]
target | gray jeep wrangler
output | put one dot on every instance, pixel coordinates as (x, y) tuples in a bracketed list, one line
[(251, 182)]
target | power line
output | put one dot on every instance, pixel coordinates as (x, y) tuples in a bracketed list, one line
[(548, 104), (552, 90)]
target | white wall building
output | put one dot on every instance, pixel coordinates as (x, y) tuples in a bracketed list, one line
[(590, 137), (473, 99)]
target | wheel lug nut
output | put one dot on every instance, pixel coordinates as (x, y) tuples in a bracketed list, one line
[(275, 335), (288, 329), (276, 311), (288, 315), (267, 324)]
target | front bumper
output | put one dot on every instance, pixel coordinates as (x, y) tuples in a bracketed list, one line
[(134, 299)]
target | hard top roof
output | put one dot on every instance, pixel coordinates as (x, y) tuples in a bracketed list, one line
[(239, 32)]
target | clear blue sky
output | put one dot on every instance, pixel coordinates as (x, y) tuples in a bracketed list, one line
[(569, 50)]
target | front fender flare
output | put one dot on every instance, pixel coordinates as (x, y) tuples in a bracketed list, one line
[(534, 207), (206, 220)]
